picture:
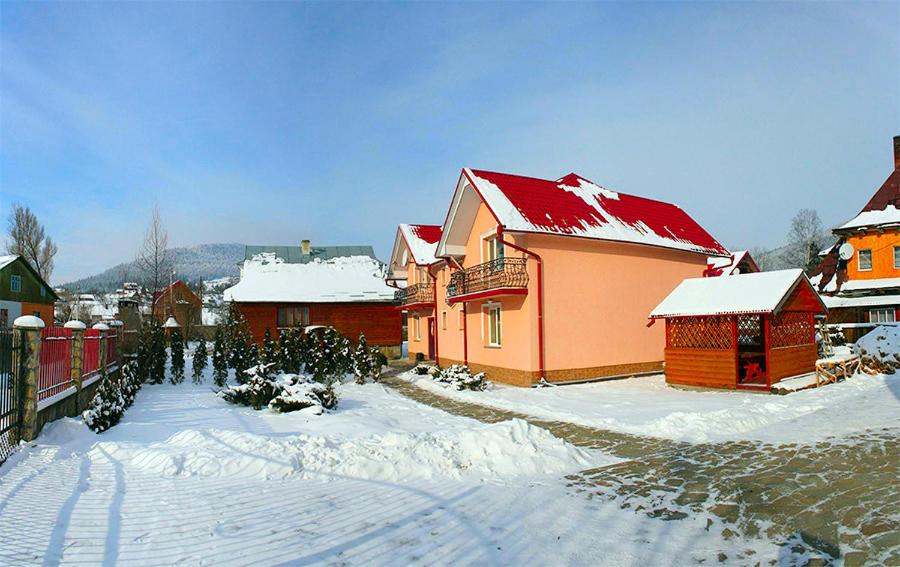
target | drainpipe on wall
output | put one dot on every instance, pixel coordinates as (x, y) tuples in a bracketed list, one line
[(465, 328), (437, 355), (540, 290)]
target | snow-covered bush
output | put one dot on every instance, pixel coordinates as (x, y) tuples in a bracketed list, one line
[(270, 352), (199, 362), (362, 361), (422, 369), (257, 390), (378, 361), (130, 382), (461, 378), (289, 354), (879, 349), (113, 397), (301, 392), (176, 348), (151, 353)]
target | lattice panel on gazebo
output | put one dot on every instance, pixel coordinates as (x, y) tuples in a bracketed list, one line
[(791, 328), (700, 332), (750, 330)]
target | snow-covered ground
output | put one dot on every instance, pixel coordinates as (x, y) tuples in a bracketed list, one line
[(187, 479), (646, 406)]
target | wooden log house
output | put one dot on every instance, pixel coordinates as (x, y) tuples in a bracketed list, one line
[(746, 331)]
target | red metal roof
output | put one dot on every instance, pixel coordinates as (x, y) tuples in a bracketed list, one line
[(575, 206), (430, 233)]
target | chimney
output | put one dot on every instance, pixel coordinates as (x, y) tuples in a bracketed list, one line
[(304, 244), (896, 152)]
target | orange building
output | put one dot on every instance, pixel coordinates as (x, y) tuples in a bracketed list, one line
[(552, 280), (860, 275), (411, 260)]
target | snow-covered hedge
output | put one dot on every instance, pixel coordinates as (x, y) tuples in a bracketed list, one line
[(281, 392), (112, 398), (880, 349), (456, 375)]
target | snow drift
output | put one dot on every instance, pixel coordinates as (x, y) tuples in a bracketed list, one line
[(508, 449)]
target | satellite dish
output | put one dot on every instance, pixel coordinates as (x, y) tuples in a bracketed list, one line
[(845, 251)]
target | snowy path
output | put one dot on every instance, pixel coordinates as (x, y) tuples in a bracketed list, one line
[(188, 479), (832, 499)]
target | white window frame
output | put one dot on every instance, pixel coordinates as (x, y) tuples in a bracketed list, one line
[(882, 315), (897, 257), (15, 283), (486, 329), (443, 320), (859, 256), (417, 327)]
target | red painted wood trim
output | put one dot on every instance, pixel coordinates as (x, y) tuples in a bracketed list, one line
[(734, 346), (767, 338)]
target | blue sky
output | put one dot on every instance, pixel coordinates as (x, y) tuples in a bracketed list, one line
[(267, 123)]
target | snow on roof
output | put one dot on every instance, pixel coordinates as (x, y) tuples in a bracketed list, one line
[(760, 292), (7, 260), (267, 278), (209, 317), (890, 215), (731, 266), (575, 206), (422, 241), (865, 301), (877, 283)]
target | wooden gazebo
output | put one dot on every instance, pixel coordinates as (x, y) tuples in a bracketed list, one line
[(747, 331)]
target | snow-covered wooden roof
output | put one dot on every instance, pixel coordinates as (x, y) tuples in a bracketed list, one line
[(266, 278), (7, 260), (732, 266), (762, 292), (422, 240), (574, 206)]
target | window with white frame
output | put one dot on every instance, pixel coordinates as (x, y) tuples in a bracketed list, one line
[(417, 328), (865, 260), (897, 257), (421, 276), (494, 332), (444, 320), (15, 283), (493, 249), (882, 315)]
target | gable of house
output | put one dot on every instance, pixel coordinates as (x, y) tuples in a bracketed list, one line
[(20, 282)]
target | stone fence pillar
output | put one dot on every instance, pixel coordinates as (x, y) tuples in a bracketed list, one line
[(77, 328), (118, 327), (103, 330), (30, 327)]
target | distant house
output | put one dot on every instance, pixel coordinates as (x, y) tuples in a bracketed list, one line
[(179, 301), (23, 292), (860, 275), (342, 287), (411, 259)]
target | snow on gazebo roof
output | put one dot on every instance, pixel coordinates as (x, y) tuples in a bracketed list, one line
[(574, 206), (171, 323), (267, 278), (762, 292)]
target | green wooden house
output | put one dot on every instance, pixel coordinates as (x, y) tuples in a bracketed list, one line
[(23, 292)]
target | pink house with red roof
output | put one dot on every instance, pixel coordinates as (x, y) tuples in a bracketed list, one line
[(537, 279), (412, 258)]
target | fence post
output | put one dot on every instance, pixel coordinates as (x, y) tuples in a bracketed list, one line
[(118, 350), (102, 354), (77, 328), (30, 328)]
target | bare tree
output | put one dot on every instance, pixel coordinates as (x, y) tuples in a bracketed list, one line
[(763, 258), (28, 239), (804, 240), (154, 260)]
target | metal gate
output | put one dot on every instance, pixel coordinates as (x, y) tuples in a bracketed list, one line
[(12, 360)]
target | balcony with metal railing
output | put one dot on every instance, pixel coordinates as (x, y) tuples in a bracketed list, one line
[(503, 276), (415, 296)]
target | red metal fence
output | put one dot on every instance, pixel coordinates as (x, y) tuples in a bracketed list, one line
[(55, 373), (91, 358)]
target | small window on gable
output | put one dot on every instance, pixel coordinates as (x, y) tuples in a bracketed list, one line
[(865, 260), (15, 283)]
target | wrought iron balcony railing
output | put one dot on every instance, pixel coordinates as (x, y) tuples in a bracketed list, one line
[(415, 294), (502, 273)]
